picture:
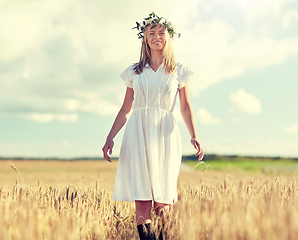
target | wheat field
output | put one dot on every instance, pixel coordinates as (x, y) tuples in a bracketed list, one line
[(72, 200)]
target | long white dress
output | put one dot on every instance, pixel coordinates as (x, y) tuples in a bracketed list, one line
[(150, 155)]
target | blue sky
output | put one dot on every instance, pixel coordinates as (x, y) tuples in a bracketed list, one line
[(60, 62)]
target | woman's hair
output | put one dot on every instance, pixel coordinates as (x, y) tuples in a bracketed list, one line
[(167, 53)]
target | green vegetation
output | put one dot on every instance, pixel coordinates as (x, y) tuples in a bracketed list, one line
[(214, 157), (247, 164)]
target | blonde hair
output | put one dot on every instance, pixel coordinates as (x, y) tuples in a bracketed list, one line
[(167, 53)]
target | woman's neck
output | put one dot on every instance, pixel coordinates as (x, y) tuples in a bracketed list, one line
[(156, 59)]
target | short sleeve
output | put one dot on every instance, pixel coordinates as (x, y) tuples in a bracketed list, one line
[(183, 73), (128, 76)]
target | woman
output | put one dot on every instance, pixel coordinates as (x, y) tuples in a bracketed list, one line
[(150, 154)]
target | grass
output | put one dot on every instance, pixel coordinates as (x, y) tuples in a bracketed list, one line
[(266, 166), (237, 204)]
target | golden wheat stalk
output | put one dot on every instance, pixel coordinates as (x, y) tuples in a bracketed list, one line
[(14, 168), (205, 168), (119, 220), (200, 162)]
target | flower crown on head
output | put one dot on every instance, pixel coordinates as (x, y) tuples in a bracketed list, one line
[(155, 20)]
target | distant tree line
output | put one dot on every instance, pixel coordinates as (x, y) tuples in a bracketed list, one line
[(215, 157), (207, 157)]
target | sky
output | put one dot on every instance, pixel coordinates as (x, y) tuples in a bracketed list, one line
[(60, 63)]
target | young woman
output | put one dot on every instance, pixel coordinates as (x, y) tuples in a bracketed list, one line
[(150, 154)]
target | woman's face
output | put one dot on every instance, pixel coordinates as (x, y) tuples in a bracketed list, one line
[(156, 37)]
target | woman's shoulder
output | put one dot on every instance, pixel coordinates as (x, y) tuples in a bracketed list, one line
[(183, 73), (183, 70), (131, 67), (130, 70), (128, 75), (180, 65)]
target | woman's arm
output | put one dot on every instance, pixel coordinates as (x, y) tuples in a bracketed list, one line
[(188, 118), (118, 123)]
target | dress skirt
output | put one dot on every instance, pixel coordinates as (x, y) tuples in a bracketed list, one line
[(150, 158)]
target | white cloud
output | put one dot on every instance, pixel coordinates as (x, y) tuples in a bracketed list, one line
[(256, 148), (102, 107), (96, 106), (235, 120), (242, 101), (9, 147), (47, 117), (290, 17), (42, 117), (50, 54), (273, 142), (258, 11), (65, 143), (206, 118), (217, 50), (293, 129), (293, 144)]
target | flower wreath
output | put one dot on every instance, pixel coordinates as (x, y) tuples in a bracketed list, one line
[(154, 19)]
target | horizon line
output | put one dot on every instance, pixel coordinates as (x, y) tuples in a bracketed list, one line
[(184, 157)]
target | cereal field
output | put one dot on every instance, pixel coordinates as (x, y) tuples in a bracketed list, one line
[(72, 200)]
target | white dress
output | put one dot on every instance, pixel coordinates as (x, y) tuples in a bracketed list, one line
[(150, 155)]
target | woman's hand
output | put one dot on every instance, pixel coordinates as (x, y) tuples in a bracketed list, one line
[(108, 148), (198, 147)]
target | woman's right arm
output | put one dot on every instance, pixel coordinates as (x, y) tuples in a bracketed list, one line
[(118, 123)]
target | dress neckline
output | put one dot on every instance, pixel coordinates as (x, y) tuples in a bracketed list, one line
[(148, 66)]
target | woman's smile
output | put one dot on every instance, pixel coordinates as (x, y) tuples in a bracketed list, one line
[(156, 37), (157, 42)]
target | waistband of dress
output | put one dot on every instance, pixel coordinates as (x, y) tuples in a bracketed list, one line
[(156, 108)]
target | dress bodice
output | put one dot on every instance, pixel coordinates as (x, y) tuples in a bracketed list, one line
[(156, 89)]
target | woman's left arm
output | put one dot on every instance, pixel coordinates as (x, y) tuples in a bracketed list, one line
[(188, 118)]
